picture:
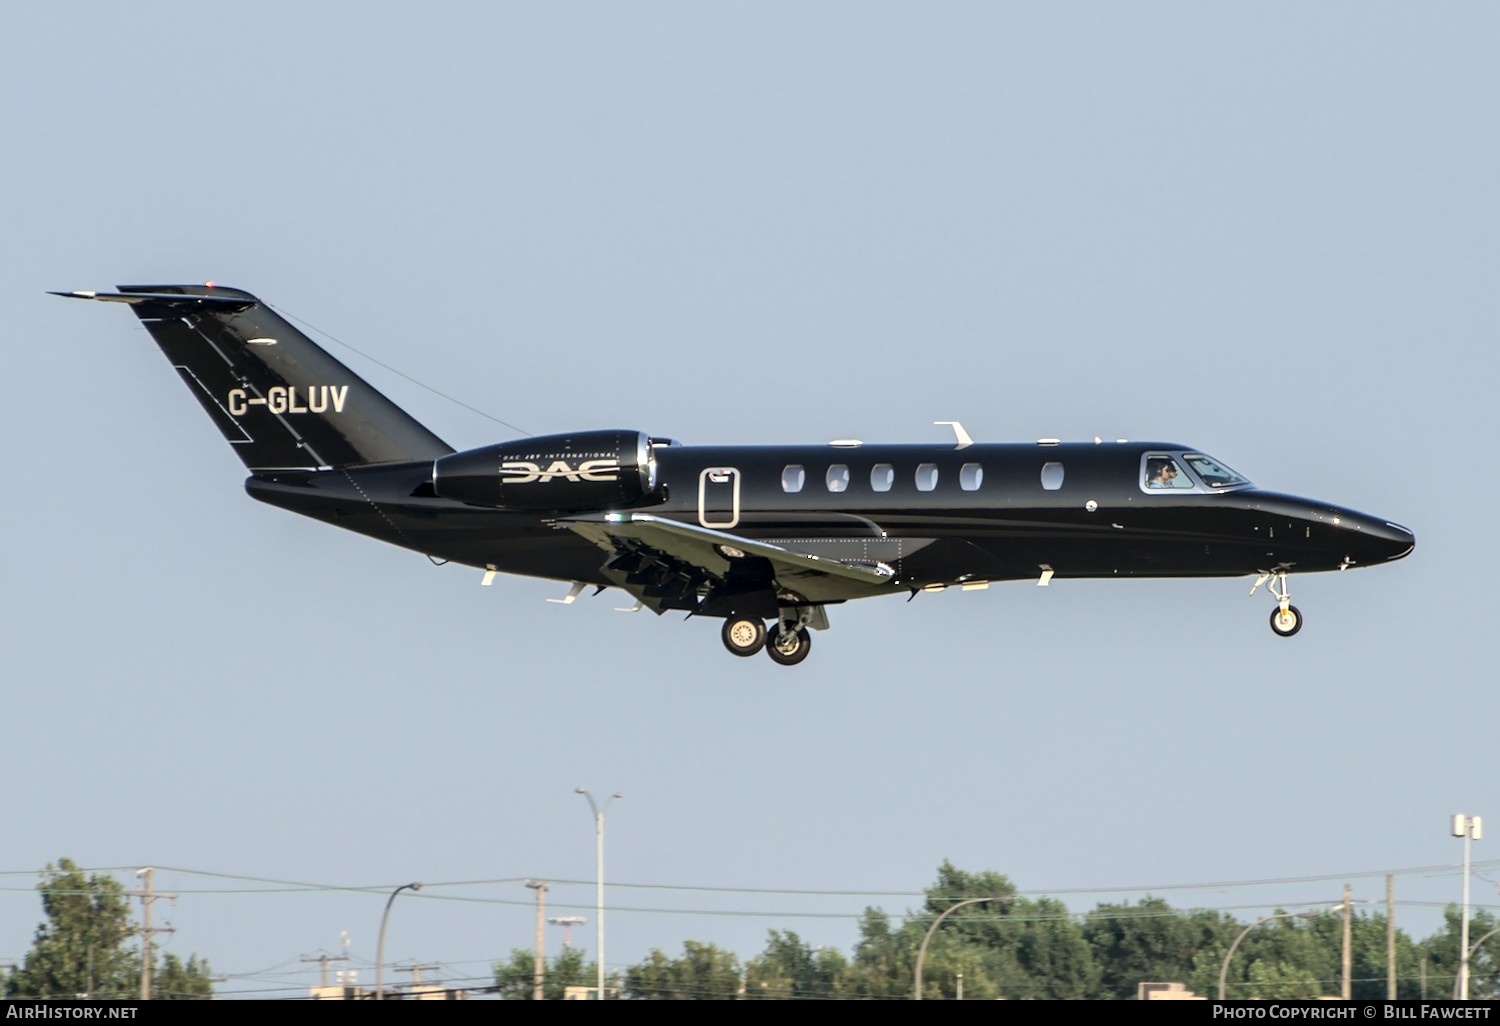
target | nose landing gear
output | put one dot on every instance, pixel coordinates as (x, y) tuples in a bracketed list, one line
[(1286, 619), (1286, 622)]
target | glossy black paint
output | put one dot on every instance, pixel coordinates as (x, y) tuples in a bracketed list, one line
[(716, 529), (1007, 529)]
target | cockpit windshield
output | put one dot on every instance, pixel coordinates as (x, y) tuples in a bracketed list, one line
[(1212, 472)]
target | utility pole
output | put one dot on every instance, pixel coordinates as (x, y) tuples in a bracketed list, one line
[(324, 958), (539, 974), (147, 896), (1390, 936), (417, 971), (1344, 989)]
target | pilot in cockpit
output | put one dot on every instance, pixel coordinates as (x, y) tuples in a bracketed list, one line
[(1161, 473)]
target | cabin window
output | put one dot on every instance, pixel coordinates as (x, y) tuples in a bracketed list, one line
[(927, 477), (1162, 472), (882, 476), (970, 477), (792, 478), (838, 477), (1052, 476)]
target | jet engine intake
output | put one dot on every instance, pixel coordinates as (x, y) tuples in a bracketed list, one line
[(589, 470)]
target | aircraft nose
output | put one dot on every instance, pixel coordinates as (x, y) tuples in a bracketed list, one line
[(1380, 541)]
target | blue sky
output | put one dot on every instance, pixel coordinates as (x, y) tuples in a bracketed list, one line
[(1267, 232)]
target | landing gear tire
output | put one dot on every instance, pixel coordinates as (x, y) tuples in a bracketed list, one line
[(790, 645), (743, 635), (1288, 623)]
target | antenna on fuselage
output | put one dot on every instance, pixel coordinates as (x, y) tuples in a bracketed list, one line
[(964, 441)]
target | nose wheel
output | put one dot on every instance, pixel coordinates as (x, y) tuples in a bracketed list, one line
[(1286, 619), (1286, 622), (743, 635)]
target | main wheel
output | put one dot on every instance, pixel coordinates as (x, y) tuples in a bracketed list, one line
[(790, 645), (1288, 623), (743, 635)]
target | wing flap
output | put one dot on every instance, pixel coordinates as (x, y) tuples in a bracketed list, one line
[(712, 555)]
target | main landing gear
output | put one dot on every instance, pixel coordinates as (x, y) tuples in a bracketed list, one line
[(743, 635), (790, 645), (1286, 619), (788, 642)]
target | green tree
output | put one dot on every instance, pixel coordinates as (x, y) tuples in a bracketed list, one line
[(1443, 953), (883, 958), (705, 972), (1296, 958), (1021, 947), (1051, 952), (791, 968), (80, 951), (176, 980), (980, 941), (1150, 942), (1369, 953), (516, 979)]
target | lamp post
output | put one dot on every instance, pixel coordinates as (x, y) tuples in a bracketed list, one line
[(922, 951), (567, 923), (599, 874), (1470, 828), (1473, 948), (1224, 969), (380, 944)]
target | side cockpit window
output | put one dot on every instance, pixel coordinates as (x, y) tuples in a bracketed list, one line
[(1162, 472)]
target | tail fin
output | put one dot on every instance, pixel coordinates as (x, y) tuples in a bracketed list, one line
[(280, 400)]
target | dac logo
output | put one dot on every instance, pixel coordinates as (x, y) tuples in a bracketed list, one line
[(589, 470)]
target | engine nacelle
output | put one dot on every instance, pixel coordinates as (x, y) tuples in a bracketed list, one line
[(590, 470)]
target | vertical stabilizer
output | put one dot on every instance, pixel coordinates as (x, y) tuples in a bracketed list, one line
[(279, 399)]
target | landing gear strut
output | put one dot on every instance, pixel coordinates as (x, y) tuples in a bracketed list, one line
[(743, 635), (1286, 619), (787, 640), (790, 644)]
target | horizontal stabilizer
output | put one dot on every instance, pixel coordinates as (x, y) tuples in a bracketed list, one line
[(165, 299)]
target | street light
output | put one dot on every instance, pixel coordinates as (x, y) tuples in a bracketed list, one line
[(1473, 948), (1224, 969), (922, 951), (599, 873), (380, 945), (1470, 828), (567, 923)]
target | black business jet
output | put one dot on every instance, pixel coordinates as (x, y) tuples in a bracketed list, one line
[(745, 534)]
